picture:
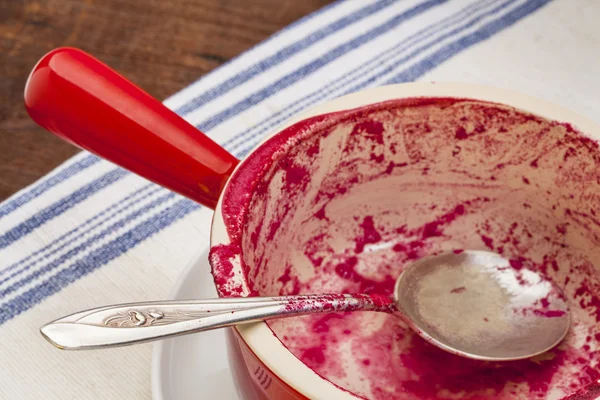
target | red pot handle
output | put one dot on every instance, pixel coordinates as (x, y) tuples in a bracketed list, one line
[(83, 101)]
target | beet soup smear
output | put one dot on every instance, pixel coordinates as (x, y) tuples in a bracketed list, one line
[(341, 203)]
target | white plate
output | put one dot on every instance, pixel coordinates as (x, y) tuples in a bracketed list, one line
[(193, 366)]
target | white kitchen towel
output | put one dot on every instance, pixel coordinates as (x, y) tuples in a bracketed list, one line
[(90, 233)]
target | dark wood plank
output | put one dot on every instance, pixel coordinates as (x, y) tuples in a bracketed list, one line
[(160, 45)]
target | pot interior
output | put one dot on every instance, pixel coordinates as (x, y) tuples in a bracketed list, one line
[(344, 202)]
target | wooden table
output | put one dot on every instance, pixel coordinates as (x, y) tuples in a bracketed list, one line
[(160, 45)]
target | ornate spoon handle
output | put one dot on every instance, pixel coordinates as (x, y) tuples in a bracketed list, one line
[(127, 324)]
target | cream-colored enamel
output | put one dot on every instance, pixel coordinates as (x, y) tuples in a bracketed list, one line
[(258, 336)]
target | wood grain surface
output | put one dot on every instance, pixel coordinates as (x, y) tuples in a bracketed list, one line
[(160, 45)]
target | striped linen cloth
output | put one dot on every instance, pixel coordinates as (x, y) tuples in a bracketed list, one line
[(90, 233)]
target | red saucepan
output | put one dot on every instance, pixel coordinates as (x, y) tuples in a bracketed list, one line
[(344, 198)]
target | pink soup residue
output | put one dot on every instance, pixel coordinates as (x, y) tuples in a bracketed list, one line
[(343, 202)]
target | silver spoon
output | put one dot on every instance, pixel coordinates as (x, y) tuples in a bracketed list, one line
[(474, 304)]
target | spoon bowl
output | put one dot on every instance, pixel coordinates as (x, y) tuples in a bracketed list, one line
[(479, 305), (473, 304)]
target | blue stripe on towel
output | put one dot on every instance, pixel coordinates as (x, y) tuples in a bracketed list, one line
[(468, 15), (119, 207), (60, 206), (46, 184), (83, 246), (313, 66), (283, 54)]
